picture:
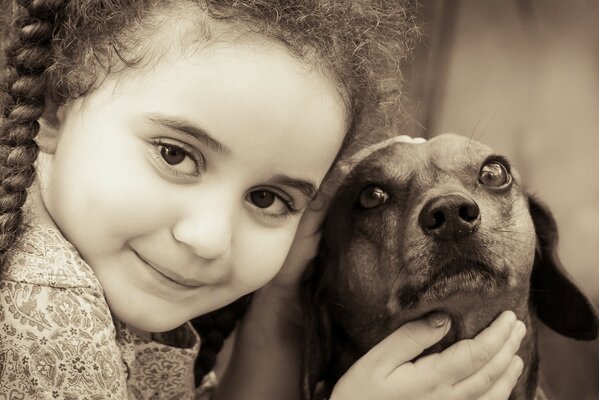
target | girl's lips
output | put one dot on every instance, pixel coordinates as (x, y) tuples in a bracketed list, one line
[(170, 275)]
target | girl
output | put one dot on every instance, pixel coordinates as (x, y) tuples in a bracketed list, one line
[(180, 142)]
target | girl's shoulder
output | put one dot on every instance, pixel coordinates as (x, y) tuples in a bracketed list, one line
[(42, 256), (57, 336)]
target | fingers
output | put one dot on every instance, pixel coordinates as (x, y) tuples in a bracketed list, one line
[(406, 343), (499, 374), (466, 357), (488, 360), (503, 387), (409, 139)]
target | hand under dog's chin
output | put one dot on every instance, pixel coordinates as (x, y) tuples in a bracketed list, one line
[(472, 294), (469, 314)]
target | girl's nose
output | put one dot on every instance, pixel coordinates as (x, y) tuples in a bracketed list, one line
[(207, 231)]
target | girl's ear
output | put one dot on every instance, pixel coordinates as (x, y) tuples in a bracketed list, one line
[(558, 301), (50, 122)]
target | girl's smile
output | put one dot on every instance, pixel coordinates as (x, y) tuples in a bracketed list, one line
[(185, 182), (172, 278)]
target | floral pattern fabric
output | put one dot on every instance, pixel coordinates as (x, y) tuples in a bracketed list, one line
[(58, 339)]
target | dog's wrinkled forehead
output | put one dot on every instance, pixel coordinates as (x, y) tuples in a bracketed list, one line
[(399, 160)]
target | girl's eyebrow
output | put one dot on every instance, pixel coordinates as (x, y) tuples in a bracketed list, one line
[(308, 188), (187, 128)]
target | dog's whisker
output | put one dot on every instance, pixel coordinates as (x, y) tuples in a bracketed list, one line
[(511, 237), (329, 301), (485, 130), (501, 236), (510, 231), (507, 228), (474, 128), (499, 253), (503, 258), (520, 213)]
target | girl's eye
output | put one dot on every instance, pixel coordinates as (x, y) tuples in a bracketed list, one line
[(494, 174), (373, 196), (262, 198), (178, 159), (271, 203), (172, 155)]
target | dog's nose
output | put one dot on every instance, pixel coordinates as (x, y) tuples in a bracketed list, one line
[(451, 216)]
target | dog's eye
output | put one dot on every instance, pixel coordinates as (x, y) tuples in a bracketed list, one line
[(494, 174), (373, 196)]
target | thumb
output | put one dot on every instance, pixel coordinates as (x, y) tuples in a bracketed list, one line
[(407, 342)]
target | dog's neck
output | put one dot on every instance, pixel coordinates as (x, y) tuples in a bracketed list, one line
[(469, 321), (526, 387)]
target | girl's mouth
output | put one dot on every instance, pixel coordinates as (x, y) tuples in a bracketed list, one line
[(170, 275)]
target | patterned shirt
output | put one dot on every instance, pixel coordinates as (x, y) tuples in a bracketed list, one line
[(58, 339)]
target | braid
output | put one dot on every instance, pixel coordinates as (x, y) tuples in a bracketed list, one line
[(214, 328), (22, 89)]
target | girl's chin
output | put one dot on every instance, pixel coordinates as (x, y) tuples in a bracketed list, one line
[(144, 325), (139, 332), (145, 314)]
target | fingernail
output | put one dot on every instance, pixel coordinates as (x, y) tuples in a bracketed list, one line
[(511, 317), (518, 365), (520, 329), (438, 319)]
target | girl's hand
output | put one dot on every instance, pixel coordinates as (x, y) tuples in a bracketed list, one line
[(280, 297), (485, 367), (303, 249)]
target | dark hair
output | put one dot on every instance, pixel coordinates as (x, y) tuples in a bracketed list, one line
[(59, 50)]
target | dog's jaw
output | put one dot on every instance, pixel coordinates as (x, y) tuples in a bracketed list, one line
[(470, 315)]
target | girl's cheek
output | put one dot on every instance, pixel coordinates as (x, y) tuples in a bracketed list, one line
[(264, 255)]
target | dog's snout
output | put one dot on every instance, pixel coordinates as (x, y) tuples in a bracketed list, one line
[(451, 216)]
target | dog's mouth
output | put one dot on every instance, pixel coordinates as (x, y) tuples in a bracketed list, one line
[(455, 277), (473, 277)]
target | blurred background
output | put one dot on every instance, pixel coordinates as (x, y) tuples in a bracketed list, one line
[(523, 77)]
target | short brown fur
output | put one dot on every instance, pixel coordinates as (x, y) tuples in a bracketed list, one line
[(384, 265)]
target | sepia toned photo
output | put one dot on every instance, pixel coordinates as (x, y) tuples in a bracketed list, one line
[(299, 200)]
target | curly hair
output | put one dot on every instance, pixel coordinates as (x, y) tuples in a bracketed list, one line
[(60, 50)]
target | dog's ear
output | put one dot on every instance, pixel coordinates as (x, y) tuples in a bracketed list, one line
[(317, 346), (558, 301)]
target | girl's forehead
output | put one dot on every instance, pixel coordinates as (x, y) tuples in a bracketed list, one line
[(259, 95), (256, 70), (186, 32)]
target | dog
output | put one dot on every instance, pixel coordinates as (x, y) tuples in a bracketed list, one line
[(442, 225)]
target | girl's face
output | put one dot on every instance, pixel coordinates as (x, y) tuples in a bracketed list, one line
[(182, 184)]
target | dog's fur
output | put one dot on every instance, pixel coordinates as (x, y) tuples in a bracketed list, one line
[(434, 236)]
